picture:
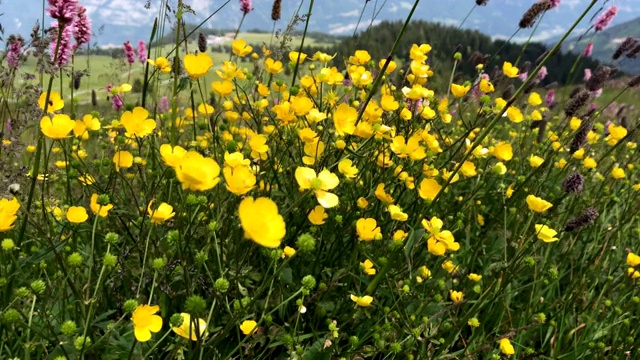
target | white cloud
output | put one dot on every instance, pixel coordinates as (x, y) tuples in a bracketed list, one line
[(351, 13), (339, 29)]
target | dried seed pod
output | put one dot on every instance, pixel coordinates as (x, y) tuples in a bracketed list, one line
[(573, 184), (202, 42), (276, 10), (599, 76), (627, 45), (530, 16), (576, 102), (587, 218)]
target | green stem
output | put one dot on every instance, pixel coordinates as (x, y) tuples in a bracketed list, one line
[(304, 35)]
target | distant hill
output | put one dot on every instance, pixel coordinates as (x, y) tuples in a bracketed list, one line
[(606, 42), (446, 40)]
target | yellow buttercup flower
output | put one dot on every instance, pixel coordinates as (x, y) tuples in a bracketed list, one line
[(240, 48), (367, 267), (514, 114), (503, 151), (459, 91), (535, 161), (537, 204), (172, 155), (77, 214), (55, 101), (456, 296), (440, 240), (261, 221), (363, 301), (295, 56), (344, 119), (163, 213), (367, 229), (145, 322), (97, 209), (397, 214), (317, 216), (56, 127), (429, 189), (88, 123), (197, 65), (123, 160), (137, 122), (239, 180), (509, 70), (360, 57), (161, 63), (248, 327), (506, 347), (196, 172), (534, 99), (8, 213), (546, 233), (486, 86), (288, 252), (272, 66), (633, 259), (223, 88), (189, 329), (320, 184), (474, 277)]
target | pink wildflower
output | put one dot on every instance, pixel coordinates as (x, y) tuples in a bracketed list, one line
[(587, 74), (245, 6), (588, 50), (164, 104), (551, 96), (605, 19), (542, 73), (61, 53), (14, 53), (142, 52), (553, 3), (129, 53), (63, 10), (82, 31)]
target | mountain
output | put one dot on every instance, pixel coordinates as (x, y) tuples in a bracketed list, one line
[(116, 21), (606, 42)]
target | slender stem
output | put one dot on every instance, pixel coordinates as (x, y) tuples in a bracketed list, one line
[(304, 35)]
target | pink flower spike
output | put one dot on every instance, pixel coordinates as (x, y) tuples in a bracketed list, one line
[(605, 19)]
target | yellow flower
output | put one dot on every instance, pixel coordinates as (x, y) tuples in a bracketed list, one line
[(535, 161), (509, 70), (240, 48), (97, 209), (382, 195), (273, 66), (317, 216), (399, 235), (197, 172), (362, 202), (474, 277), (57, 127), (486, 86), (429, 189), (360, 57), (188, 328), (397, 214), (172, 156), (8, 213), (346, 168), (456, 296), (468, 169), (440, 240), (88, 123), (298, 57), (161, 63), (320, 184), (197, 65), (633, 273), (633, 259), (367, 267), (537, 204), (248, 327), (55, 101), (389, 103), (534, 99), (617, 172), (503, 151), (123, 160), (363, 301), (368, 229), (223, 88), (411, 148), (506, 347), (77, 214), (344, 119), (449, 266), (239, 180), (137, 122), (205, 109), (589, 162), (145, 322), (424, 272), (546, 233), (459, 91), (288, 252), (473, 322), (261, 221), (514, 114), (163, 213)]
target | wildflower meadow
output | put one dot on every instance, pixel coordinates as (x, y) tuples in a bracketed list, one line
[(265, 202)]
